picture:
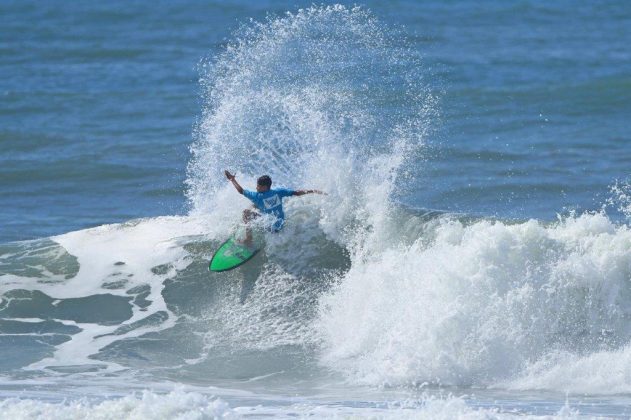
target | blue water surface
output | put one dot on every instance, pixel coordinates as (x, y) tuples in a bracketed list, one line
[(100, 100)]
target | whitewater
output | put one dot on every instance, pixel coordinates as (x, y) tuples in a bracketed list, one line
[(365, 305)]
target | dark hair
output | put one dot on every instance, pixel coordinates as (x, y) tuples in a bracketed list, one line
[(264, 181)]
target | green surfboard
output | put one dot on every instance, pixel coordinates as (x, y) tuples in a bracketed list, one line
[(233, 253)]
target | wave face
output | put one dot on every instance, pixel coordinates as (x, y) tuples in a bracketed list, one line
[(446, 300), (357, 287)]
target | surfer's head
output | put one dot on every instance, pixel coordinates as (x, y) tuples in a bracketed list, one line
[(264, 183)]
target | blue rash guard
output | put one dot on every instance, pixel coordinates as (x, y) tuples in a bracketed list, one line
[(270, 202)]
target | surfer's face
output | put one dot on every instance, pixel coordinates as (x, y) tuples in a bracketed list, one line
[(261, 188)]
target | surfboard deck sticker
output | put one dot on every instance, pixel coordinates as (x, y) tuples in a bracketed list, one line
[(233, 253)]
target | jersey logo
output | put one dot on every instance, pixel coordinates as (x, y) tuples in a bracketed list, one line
[(271, 202)]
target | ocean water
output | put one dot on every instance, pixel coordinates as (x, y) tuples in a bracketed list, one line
[(472, 258)]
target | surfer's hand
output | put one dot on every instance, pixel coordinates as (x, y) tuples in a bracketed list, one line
[(303, 192), (232, 179)]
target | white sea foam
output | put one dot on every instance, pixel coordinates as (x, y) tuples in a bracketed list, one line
[(485, 303), (121, 252), (147, 405), (599, 373), (195, 406)]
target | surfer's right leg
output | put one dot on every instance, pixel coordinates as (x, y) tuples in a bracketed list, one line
[(248, 216)]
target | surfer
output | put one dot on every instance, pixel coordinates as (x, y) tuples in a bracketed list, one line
[(266, 200)]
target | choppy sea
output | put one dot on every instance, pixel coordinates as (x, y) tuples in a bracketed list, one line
[(472, 258)]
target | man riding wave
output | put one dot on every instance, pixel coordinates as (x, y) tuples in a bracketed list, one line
[(267, 200)]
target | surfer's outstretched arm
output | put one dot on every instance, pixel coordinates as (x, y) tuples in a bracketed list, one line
[(233, 179), (303, 192)]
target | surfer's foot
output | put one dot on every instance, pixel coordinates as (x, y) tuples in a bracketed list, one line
[(247, 241)]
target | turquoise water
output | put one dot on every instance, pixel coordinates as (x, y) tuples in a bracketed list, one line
[(472, 258)]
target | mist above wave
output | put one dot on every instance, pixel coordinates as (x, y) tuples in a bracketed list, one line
[(325, 97)]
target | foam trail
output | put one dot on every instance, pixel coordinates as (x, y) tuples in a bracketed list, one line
[(112, 260)]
